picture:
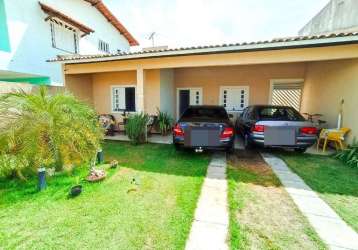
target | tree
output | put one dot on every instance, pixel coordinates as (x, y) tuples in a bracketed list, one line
[(47, 129)]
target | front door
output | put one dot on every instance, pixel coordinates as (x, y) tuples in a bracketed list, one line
[(184, 100), (234, 98), (188, 97)]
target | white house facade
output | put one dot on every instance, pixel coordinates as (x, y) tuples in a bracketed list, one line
[(32, 31)]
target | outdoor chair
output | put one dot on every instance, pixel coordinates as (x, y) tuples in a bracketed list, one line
[(108, 122), (337, 136), (123, 123)]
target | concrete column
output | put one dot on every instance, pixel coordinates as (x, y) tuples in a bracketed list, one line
[(140, 89)]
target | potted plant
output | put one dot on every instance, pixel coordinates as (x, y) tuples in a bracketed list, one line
[(76, 189), (136, 128), (164, 122)]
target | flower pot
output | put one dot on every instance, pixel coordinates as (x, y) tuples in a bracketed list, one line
[(75, 190)]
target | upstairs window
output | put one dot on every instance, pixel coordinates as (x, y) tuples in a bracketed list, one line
[(103, 46), (123, 99), (64, 37)]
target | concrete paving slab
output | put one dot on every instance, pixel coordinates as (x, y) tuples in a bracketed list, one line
[(207, 236), (328, 225), (314, 206), (338, 238), (210, 227)]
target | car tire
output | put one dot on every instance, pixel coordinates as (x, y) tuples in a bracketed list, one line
[(300, 150), (247, 142)]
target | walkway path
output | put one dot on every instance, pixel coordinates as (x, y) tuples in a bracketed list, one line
[(210, 226), (329, 226)]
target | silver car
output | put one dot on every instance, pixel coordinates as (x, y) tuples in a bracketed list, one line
[(275, 126)]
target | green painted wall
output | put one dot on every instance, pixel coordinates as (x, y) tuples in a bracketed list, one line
[(4, 34), (33, 80)]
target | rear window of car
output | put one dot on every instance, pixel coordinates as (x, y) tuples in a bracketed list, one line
[(204, 113), (279, 114)]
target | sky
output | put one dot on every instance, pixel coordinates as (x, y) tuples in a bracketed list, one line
[(183, 23)]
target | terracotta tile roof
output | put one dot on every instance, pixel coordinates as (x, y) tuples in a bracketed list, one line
[(274, 44), (55, 13), (101, 7)]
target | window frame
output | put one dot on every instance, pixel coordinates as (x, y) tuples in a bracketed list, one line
[(288, 81), (75, 36), (103, 46), (135, 98)]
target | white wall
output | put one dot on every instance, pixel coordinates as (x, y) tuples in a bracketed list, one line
[(30, 36), (336, 16)]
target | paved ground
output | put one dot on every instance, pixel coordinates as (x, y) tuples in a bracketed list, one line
[(210, 226), (329, 226)]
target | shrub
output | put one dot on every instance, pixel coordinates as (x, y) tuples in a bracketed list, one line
[(11, 165), (46, 130), (164, 121), (349, 155), (136, 127)]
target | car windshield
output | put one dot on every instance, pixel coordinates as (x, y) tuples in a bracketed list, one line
[(204, 113), (279, 114)]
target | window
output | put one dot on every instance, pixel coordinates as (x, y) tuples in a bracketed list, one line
[(205, 113), (279, 114), (64, 37), (103, 46), (287, 94), (123, 99)]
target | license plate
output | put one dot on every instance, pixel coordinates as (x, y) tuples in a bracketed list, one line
[(202, 137), (280, 136)]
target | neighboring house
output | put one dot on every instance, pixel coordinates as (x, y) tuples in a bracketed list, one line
[(316, 71), (33, 31), (336, 16)]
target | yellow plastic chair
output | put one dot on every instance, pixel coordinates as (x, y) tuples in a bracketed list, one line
[(336, 136)]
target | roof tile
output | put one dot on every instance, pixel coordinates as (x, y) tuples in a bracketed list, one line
[(275, 40)]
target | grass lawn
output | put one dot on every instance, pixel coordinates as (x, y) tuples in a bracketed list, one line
[(262, 215), (335, 182), (110, 214)]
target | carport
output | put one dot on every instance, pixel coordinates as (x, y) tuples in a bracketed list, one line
[(313, 74)]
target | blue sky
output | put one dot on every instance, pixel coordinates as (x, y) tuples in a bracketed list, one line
[(201, 22)]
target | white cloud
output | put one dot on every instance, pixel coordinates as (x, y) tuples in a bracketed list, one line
[(199, 22)]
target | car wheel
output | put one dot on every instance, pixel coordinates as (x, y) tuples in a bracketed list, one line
[(300, 150), (247, 142)]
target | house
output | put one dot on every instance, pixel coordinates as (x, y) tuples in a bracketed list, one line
[(32, 31), (312, 73), (336, 16)]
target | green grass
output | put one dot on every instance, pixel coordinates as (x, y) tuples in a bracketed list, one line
[(262, 215), (335, 182), (110, 214)]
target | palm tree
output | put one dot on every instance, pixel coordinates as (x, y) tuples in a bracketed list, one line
[(48, 129)]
